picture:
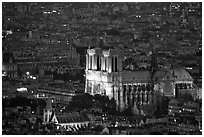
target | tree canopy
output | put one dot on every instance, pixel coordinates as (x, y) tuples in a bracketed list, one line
[(23, 101), (87, 101), (79, 102)]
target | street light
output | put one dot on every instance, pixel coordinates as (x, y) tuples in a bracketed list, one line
[(27, 73)]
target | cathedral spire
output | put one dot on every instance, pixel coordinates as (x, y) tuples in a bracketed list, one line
[(49, 104), (101, 42), (153, 61), (48, 112)]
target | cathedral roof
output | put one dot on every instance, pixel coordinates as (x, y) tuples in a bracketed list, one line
[(138, 76), (72, 117), (159, 75), (181, 74), (174, 74)]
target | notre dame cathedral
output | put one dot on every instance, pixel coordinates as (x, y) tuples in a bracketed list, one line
[(105, 76)]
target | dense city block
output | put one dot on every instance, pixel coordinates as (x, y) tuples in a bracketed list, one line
[(101, 68)]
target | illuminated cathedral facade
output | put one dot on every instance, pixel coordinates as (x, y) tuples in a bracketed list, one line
[(105, 76)]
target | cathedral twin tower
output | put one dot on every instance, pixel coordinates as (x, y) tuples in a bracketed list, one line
[(105, 61)]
